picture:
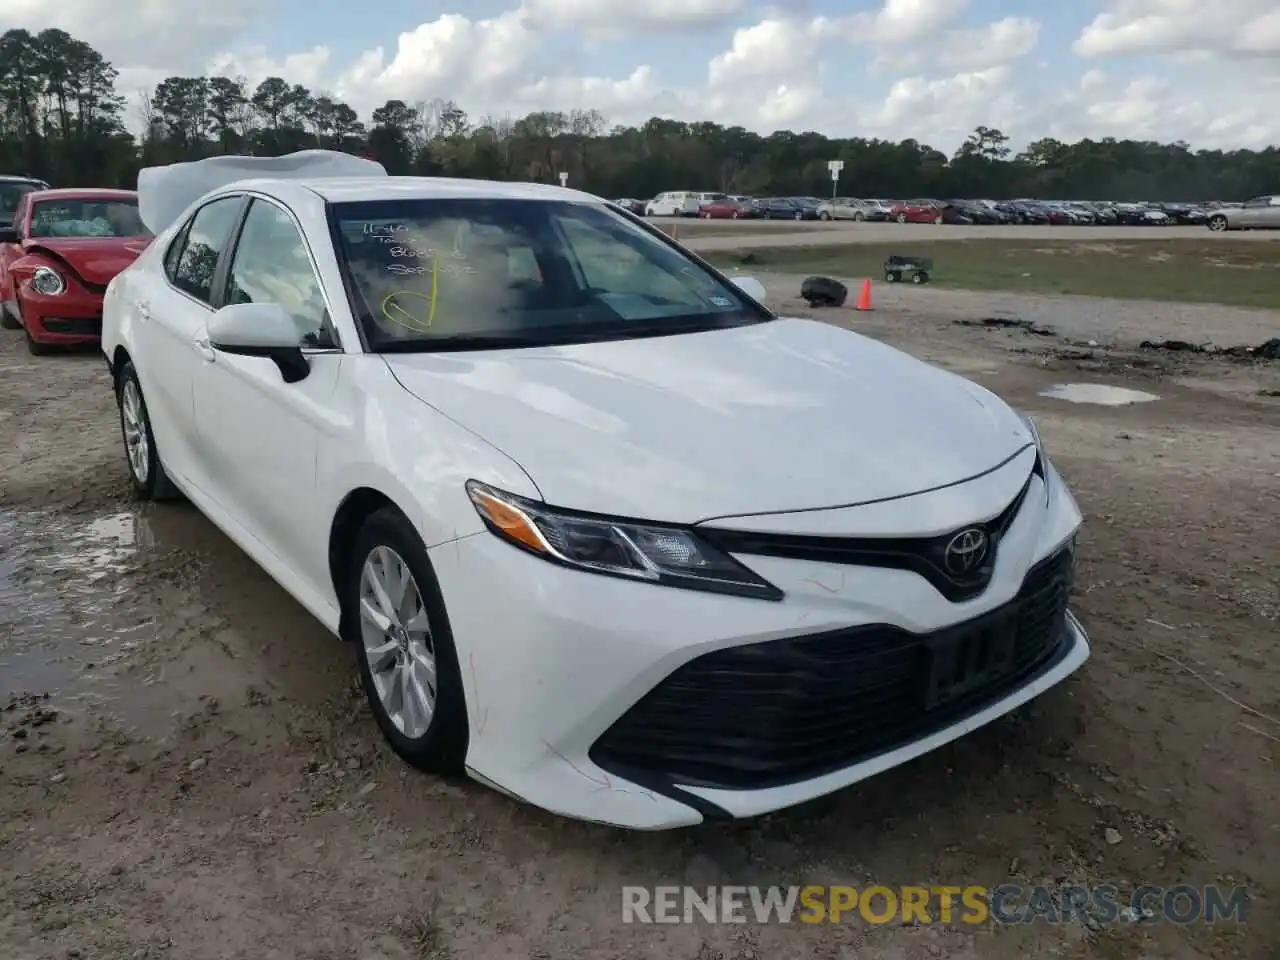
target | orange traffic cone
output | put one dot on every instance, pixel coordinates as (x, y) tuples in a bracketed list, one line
[(864, 298)]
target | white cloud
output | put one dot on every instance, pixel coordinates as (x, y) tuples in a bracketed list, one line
[(614, 16), (967, 49), (1208, 75), (1168, 26), (160, 34)]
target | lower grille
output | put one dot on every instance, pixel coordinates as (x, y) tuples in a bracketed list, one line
[(84, 325), (769, 714)]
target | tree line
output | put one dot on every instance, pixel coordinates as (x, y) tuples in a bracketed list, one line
[(62, 118)]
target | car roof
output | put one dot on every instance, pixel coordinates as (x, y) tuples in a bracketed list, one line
[(14, 178), (82, 193), (354, 189)]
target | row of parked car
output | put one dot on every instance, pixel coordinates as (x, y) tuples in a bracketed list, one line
[(1257, 213)]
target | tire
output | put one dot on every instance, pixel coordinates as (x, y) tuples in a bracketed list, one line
[(824, 292), (901, 218), (768, 215), (937, 221), (387, 541), (919, 277), (892, 277), (734, 215), (824, 215), (858, 217), (146, 472), (1218, 224), (8, 321), (799, 215)]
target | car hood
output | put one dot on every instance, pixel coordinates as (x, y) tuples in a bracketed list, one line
[(94, 259), (776, 417)]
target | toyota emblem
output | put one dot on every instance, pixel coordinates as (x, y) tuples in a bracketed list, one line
[(965, 552)]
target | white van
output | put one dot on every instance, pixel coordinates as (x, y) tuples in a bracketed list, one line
[(676, 203)]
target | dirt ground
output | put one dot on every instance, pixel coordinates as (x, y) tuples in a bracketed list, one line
[(188, 771)]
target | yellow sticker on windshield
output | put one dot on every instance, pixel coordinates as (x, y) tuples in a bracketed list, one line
[(396, 308)]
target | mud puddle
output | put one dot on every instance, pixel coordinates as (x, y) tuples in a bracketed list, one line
[(140, 616), (65, 623), (1100, 394)]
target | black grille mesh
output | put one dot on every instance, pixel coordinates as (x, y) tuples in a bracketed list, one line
[(768, 714)]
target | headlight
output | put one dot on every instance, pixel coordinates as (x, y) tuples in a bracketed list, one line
[(667, 555), (47, 281)]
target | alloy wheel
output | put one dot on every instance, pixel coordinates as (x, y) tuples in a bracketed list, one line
[(397, 642), (134, 417)]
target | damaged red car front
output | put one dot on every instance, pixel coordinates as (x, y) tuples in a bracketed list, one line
[(57, 257)]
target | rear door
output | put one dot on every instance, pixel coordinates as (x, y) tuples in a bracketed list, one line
[(1253, 213), (170, 308)]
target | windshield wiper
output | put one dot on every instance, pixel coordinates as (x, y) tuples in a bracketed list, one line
[(464, 341)]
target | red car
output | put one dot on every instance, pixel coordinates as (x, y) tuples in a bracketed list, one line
[(56, 260), (916, 211), (726, 210)]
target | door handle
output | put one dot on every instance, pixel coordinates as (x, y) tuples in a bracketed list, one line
[(206, 350)]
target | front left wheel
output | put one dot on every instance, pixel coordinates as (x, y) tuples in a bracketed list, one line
[(408, 665), (8, 321)]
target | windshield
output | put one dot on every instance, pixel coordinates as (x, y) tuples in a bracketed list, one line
[(12, 191), (476, 273), (87, 217)]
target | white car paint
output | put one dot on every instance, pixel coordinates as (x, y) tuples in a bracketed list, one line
[(785, 426)]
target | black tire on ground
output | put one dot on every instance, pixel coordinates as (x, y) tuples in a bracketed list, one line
[(824, 215), (443, 747), (824, 292), (858, 217), (1218, 223), (919, 277), (891, 276), (156, 485), (902, 218), (8, 321)]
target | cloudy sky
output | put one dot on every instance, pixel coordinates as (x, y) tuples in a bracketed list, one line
[(1207, 73)]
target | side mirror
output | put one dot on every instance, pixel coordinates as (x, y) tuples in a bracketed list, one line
[(752, 287), (260, 330), (9, 235)]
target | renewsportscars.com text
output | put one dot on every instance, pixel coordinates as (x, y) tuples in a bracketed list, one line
[(973, 905)]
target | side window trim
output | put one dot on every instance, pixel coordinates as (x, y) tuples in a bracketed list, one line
[(222, 278), (185, 233)]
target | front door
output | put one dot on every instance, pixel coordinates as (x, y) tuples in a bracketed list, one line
[(267, 433)]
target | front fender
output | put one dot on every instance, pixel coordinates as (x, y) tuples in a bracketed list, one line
[(22, 269), (415, 456)]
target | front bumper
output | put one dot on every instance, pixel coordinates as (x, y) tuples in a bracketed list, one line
[(561, 669), (74, 317)]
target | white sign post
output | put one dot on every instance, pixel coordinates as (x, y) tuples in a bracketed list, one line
[(835, 166), (564, 179)]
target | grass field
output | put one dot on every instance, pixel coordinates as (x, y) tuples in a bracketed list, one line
[(1192, 271)]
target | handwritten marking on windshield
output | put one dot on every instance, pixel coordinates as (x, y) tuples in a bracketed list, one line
[(396, 312), (418, 270)]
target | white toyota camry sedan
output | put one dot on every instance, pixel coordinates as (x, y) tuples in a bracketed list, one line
[(607, 534)]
